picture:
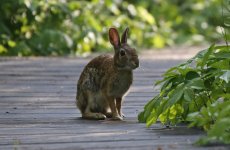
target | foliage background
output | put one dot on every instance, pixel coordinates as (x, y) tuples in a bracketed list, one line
[(70, 27)]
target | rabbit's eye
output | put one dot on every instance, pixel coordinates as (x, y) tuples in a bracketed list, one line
[(122, 52)]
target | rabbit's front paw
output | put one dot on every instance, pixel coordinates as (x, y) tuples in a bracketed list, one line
[(123, 115), (117, 118)]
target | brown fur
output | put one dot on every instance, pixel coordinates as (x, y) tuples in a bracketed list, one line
[(106, 79)]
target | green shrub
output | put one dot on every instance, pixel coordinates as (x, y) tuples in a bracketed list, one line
[(57, 27), (198, 92)]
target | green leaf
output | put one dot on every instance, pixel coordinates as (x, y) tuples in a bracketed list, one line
[(189, 94), (151, 105), (167, 84), (2, 49), (175, 96), (158, 41), (226, 76), (145, 15), (11, 43), (152, 118), (222, 55), (171, 71), (196, 83), (141, 117), (166, 80), (160, 108), (221, 64), (191, 75), (207, 55)]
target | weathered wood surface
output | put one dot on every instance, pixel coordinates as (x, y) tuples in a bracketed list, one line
[(37, 109)]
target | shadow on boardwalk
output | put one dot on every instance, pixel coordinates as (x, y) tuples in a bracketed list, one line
[(37, 108)]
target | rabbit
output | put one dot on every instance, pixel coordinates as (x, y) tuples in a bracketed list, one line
[(105, 80)]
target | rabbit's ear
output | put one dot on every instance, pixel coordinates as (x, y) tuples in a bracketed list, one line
[(114, 37), (125, 36)]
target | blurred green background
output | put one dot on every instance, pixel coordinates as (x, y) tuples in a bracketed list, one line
[(71, 27)]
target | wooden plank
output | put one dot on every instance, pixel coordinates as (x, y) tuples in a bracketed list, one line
[(144, 145), (37, 109), (61, 94), (77, 130)]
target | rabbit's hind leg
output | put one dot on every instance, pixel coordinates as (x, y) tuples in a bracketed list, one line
[(92, 115), (93, 109)]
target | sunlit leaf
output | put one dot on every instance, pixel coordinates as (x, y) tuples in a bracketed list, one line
[(145, 15), (2, 49), (226, 76), (158, 41), (152, 118), (11, 43)]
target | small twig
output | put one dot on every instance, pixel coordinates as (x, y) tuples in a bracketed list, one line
[(222, 28)]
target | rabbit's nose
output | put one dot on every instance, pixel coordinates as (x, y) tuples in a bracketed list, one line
[(135, 64)]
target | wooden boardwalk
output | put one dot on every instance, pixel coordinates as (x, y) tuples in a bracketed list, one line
[(37, 109)]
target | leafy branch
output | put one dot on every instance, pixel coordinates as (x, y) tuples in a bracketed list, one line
[(197, 91)]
